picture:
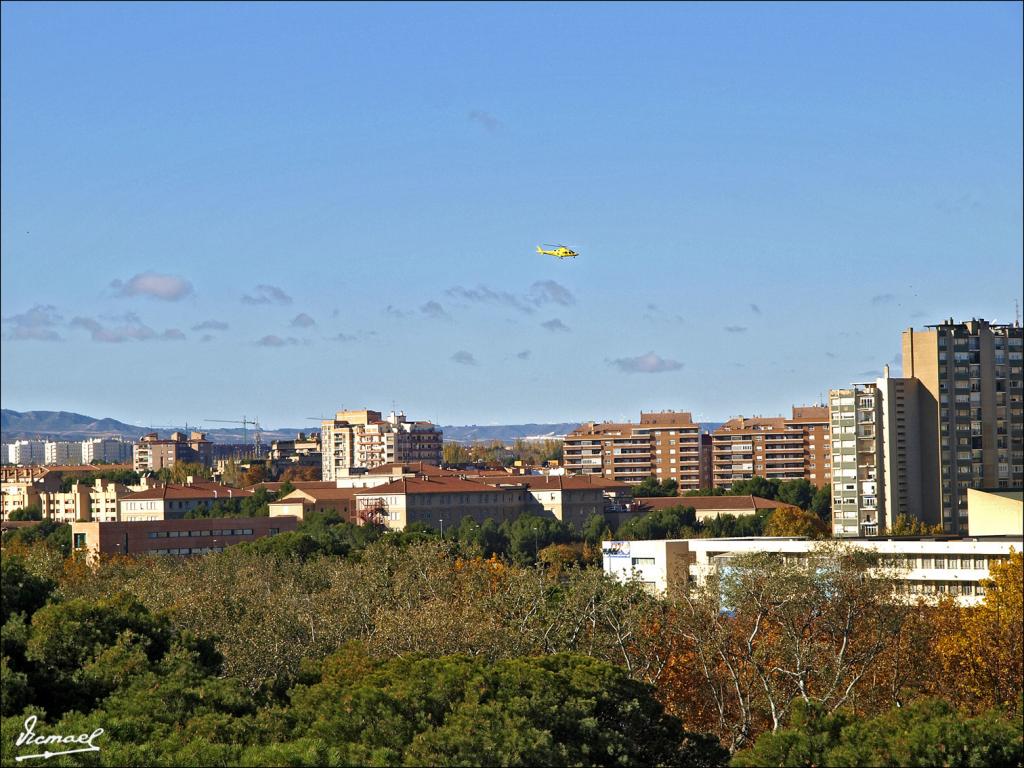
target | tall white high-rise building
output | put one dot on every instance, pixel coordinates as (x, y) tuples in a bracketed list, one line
[(108, 450), (876, 475), (25, 452), (62, 452)]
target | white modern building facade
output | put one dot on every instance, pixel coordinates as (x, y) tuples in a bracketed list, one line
[(26, 452), (108, 450), (925, 566), (62, 452)]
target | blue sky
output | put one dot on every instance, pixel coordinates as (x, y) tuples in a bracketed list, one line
[(282, 210)]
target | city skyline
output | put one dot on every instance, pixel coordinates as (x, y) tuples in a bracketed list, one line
[(292, 214)]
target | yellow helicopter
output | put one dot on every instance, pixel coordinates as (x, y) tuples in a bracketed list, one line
[(559, 252)]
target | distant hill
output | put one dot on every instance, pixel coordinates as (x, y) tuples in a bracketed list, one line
[(506, 433), (63, 425)]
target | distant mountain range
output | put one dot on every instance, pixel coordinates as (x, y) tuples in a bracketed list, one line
[(62, 425)]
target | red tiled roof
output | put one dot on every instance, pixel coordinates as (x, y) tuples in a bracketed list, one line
[(86, 468), (708, 503), (184, 492), (297, 484), (445, 484), (570, 482), (321, 494)]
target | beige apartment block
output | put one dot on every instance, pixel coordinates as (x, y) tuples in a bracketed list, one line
[(970, 412), (18, 495), (362, 439), (443, 501), (304, 501), (774, 447), (97, 502), (169, 502), (665, 445)]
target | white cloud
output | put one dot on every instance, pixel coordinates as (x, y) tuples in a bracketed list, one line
[(155, 285), (648, 363)]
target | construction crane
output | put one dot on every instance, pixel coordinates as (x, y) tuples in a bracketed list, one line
[(245, 433)]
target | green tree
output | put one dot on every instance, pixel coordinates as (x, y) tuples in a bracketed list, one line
[(821, 504), (756, 486), (182, 471), (528, 534), (673, 522), (69, 637), (926, 732), (651, 486), (458, 710), (721, 525), (33, 512), (716, 491), (596, 529), (797, 493), (20, 590), (51, 534), (257, 505)]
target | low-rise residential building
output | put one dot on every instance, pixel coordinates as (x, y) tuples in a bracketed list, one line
[(173, 537), (923, 566), (327, 500), (446, 499), (774, 447), (23, 487), (19, 495), (151, 454), (170, 502), (96, 502)]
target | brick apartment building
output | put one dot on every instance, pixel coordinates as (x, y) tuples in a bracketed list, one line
[(151, 454), (666, 445), (774, 447)]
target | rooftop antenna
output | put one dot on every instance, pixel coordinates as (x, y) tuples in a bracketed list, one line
[(1016, 313)]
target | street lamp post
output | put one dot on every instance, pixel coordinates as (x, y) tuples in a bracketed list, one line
[(442, 527)]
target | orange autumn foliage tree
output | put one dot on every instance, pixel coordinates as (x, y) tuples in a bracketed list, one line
[(764, 632), (978, 650), (793, 521)]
